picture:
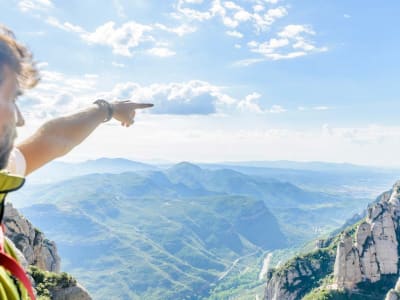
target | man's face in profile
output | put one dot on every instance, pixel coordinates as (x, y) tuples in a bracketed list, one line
[(8, 92)]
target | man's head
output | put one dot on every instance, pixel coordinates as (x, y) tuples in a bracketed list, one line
[(17, 73)]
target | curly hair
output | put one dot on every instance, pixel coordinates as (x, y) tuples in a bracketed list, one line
[(18, 58)]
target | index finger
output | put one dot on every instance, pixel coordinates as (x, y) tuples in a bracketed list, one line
[(142, 105)]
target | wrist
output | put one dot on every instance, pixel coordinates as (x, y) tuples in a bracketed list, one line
[(107, 107)]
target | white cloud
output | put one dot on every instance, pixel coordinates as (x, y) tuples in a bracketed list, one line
[(249, 103), (268, 48), (121, 39), (124, 40), (180, 30), (118, 65), (321, 107), (235, 34), (247, 62), (279, 56), (66, 26), (242, 16), (258, 8), (194, 97), (38, 5), (191, 13), (187, 98), (277, 109), (232, 5), (263, 22), (42, 65), (231, 14), (161, 52), (294, 31), (290, 43)]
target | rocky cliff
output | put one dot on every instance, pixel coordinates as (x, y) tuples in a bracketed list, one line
[(39, 255), (360, 262)]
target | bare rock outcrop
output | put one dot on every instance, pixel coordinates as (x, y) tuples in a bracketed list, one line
[(358, 258), (37, 250), (293, 280), (375, 250), (71, 293), (33, 249), (347, 264)]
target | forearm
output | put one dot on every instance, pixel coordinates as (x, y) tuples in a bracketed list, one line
[(59, 136), (65, 133)]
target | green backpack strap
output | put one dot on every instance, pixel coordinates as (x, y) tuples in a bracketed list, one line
[(8, 183), (8, 287)]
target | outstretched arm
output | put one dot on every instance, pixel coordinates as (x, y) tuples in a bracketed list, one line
[(59, 136)]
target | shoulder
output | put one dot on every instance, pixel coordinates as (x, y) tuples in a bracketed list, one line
[(16, 162)]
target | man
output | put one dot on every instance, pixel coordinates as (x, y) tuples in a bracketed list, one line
[(54, 139)]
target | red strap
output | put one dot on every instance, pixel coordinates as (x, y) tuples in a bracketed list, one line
[(13, 266)]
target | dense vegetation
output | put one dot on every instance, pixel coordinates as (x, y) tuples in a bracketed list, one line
[(174, 234), (47, 282)]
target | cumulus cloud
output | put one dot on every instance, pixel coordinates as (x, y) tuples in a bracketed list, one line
[(121, 39), (179, 30), (231, 13), (291, 42), (235, 34), (249, 103), (127, 38), (57, 94), (161, 52), (188, 98)]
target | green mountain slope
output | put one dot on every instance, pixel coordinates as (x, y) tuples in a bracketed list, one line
[(144, 237), (175, 233)]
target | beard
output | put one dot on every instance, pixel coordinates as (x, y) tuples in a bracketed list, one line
[(6, 144)]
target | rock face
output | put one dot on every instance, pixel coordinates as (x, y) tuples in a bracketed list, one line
[(375, 250), (71, 293), (37, 250), (347, 263), (369, 254), (293, 281), (32, 248)]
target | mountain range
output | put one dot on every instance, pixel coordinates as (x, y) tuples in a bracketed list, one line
[(138, 231)]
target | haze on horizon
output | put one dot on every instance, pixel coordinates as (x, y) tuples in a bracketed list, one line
[(241, 80)]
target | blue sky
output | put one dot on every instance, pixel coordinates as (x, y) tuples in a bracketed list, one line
[(231, 80)]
